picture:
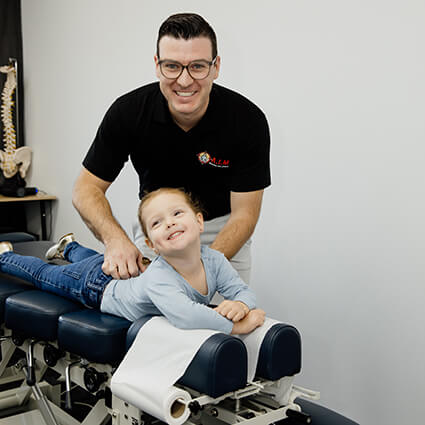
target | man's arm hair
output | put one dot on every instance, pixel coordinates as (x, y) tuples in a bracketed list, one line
[(89, 200), (245, 211), (122, 259)]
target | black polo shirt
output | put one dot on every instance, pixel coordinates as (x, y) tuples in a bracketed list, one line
[(228, 150)]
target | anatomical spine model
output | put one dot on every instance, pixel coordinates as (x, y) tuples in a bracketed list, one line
[(12, 159)]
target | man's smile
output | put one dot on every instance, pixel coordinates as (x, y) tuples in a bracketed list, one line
[(185, 93)]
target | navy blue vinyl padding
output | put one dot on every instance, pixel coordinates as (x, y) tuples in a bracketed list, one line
[(35, 313), (280, 353), (16, 237), (10, 286), (320, 415), (279, 356), (35, 248), (93, 335), (219, 366), (134, 329)]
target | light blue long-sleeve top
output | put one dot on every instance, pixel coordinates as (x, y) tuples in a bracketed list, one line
[(160, 290)]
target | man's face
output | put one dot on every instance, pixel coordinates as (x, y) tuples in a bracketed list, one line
[(187, 98)]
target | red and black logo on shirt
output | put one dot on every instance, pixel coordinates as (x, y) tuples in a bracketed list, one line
[(205, 158)]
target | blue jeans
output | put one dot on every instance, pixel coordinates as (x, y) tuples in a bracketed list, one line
[(83, 280)]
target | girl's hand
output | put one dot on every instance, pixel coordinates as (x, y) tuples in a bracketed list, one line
[(251, 321), (232, 310)]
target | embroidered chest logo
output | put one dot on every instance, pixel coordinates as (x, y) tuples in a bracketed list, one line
[(205, 158)]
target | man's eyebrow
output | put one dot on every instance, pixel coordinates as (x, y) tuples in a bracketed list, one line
[(193, 60)]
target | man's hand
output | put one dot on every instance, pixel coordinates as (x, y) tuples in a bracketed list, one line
[(251, 321), (123, 259), (232, 310)]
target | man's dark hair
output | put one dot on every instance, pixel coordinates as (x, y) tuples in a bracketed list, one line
[(187, 26)]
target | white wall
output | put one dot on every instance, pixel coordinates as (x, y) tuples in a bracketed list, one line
[(340, 245)]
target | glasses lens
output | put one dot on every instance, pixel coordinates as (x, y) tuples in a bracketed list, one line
[(199, 69), (171, 69)]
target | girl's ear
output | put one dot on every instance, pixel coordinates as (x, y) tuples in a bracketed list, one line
[(200, 219), (150, 245)]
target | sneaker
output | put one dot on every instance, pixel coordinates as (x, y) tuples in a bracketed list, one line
[(56, 251), (5, 247)]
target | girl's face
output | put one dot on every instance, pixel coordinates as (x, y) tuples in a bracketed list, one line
[(171, 224)]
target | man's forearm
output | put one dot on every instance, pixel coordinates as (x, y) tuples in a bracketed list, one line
[(122, 259), (245, 210), (233, 236), (95, 210)]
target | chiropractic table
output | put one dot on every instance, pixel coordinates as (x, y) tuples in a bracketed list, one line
[(58, 357)]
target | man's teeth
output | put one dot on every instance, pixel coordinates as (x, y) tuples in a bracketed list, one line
[(174, 235), (185, 93)]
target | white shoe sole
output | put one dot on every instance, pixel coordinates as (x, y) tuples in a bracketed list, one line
[(56, 251), (5, 247)]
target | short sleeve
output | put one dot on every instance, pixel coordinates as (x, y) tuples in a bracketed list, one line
[(252, 171), (110, 148)]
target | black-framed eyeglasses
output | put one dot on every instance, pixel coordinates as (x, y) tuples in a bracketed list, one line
[(198, 69)]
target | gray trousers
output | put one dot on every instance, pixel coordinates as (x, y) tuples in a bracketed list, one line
[(241, 260)]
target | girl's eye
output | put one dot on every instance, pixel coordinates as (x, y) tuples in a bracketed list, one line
[(155, 223), (177, 212)]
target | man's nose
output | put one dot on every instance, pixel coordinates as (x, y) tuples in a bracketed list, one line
[(185, 79)]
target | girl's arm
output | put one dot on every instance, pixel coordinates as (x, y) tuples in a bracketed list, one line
[(172, 300), (233, 288), (185, 313)]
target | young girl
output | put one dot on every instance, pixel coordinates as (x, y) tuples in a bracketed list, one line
[(178, 284)]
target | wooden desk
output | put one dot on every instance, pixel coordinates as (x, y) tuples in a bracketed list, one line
[(40, 197)]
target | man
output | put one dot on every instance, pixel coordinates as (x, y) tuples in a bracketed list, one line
[(185, 132)]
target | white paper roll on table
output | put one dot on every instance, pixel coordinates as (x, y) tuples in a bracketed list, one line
[(156, 360), (169, 405), (175, 407)]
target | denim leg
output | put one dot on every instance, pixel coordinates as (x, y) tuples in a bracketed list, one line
[(83, 281), (75, 252)]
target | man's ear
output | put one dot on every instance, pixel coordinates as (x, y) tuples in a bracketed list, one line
[(156, 60), (217, 67)]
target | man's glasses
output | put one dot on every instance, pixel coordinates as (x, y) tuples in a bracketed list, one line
[(198, 69)]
